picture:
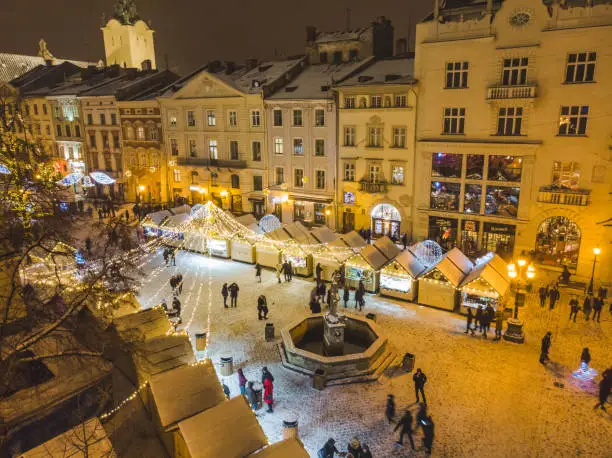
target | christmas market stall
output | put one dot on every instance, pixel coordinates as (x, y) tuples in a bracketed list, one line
[(323, 234), (438, 287), (219, 245), (399, 278), (171, 230), (331, 259), (350, 240), (300, 259), (486, 284), (365, 266), (150, 223), (386, 246), (242, 249), (268, 248)]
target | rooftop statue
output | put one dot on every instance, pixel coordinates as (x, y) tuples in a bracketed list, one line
[(125, 12)]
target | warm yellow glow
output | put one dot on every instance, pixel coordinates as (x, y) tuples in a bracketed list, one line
[(521, 262), (530, 274), (38, 178), (512, 273), (596, 251), (141, 187), (202, 190), (171, 163), (328, 212), (223, 193), (530, 268), (284, 198), (511, 267)]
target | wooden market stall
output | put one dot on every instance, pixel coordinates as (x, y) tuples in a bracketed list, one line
[(365, 266), (323, 234), (180, 209), (242, 249), (386, 246), (171, 231), (399, 278), (300, 258), (331, 258), (268, 248), (353, 240), (150, 223), (438, 287), (486, 284)]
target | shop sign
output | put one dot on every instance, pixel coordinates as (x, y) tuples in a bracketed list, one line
[(499, 228)]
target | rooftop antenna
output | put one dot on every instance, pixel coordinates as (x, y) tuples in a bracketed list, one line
[(348, 19)]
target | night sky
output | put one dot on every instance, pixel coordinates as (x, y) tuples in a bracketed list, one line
[(192, 32)]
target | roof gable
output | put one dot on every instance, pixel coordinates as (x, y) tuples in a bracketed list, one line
[(206, 85)]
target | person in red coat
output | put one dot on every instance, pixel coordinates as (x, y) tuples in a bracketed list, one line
[(268, 393)]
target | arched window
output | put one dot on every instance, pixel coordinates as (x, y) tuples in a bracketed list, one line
[(140, 133), (386, 220), (129, 133), (558, 242), (152, 132)]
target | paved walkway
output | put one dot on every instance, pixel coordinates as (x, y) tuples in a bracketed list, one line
[(486, 398)]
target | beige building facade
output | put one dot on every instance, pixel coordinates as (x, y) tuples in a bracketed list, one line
[(514, 131), (376, 118)]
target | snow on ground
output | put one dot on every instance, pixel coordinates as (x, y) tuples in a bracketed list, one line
[(486, 398)]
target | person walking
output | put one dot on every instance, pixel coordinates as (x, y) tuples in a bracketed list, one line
[(290, 266), (318, 272), (543, 295), (286, 270), (357, 298), (258, 272), (586, 307), (224, 293), (361, 295), (179, 283), (269, 392), (470, 318), (419, 379), (346, 295), (604, 389), (545, 347), (279, 271), (406, 424), (321, 289), (428, 434), (488, 316), (365, 452), (262, 308), (390, 409), (242, 381), (265, 373), (574, 308), (173, 255), (251, 397), (329, 450), (478, 320), (405, 240), (233, 289), (553, 297), (499, 324), (354, 447), (597, 306)]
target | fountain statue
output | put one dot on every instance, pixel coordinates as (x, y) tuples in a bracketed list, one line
[(334, 323)]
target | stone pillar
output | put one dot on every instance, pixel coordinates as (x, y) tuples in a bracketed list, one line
[(333, 335)]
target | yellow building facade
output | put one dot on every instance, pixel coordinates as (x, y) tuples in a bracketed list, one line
[(514, 132), (376, 118)]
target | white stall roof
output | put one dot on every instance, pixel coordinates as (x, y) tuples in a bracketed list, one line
[(374, 258), (278, 234), (387, 247), (255, 228), (354, 240), (493, 271), (247, 219), (229, 430), (323, 234), (299, 233), (174, 221), (455, 266), (410, 263), (288, 448), (158, 217), (180, 209), (185, 391)]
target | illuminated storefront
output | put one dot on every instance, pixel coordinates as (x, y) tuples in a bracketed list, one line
[(558, 242)]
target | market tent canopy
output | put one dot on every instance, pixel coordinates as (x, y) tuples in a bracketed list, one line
[(292, 448), (410, 263), (493, 271), (455, 266), (163, 353), (229, 430), (323, 234), (183, 392), (156, 218), (386, 246), (371, 256), (85, 440), (181, 209)]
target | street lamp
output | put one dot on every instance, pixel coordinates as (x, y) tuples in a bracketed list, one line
[(518, 272), (596, 252)]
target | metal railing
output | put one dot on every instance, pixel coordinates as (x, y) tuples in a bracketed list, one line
[(527, 91), (372, 188), (577, 197)]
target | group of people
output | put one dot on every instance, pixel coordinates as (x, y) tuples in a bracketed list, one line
[(251, 390), (590, 304), (176, 283), (482, 320), (550, 292), (284, 270), (232, 292), (106, 212), (355, 449), (262, 307), (169, 256)]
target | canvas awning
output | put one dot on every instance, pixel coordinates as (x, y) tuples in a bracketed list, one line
[(408, 262), (493, 272), (229, 430), (292, 448), (156, 218), (323, 234), (372, 257), (386, 246), (455, 266), (185, 391)]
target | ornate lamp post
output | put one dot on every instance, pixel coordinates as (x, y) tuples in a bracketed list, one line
[(514, 332), (596, 252)]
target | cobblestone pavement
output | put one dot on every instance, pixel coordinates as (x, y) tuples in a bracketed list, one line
[(486, 398)]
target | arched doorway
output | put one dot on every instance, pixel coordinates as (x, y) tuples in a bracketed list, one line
[(386, 220), (558, 242)]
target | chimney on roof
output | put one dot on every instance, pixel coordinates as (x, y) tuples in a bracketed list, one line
[(146, 65), (230, 67), (311, 33), (251, 64), (214, 66)]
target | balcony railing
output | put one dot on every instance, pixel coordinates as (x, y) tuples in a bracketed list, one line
[(557, 196), (373, 188), (202, 162), (527, 91)]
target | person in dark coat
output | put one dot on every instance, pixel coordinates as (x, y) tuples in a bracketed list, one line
[(265, 373), (242, 381), (574, 308), (268, 395), (428, 434), (604, 389), (406, 424), (597, 306), (179, 283), (585, 357), (290, 267), (565, 276), (226, 391), (361, 294), (586, 307), (258, 272), (329, 298), (329, 450), (390, 409), (553, 297), (262, 308), (176, 305), (286, 270), (470, 318), (346, 295), (357, 297), (543, 295), (321, 290), (233, 290), (365, 452), (318, 272), (250, 394), (545, 348), (405, 240), (499, 324), (315, 306), (419, 379), (478, 318), (488, 315), (354, 447), (224, 293)]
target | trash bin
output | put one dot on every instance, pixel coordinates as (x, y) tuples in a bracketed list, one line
[(408, 362), (290, 426), (258, 390), (318, 379), (371, 316), (269, 332), (200, 341), (227, 366)]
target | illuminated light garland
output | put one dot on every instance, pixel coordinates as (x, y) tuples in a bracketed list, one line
[(70, 179), (269, 223), (131, 397), (4, 170), (87, 183), (102, 178)]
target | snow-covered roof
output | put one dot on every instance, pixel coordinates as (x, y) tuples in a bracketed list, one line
[(455, 266), (162, 353), (387, 247), (493, 271), (14, 65), (351, 240), (156, 217), (174, 221), (299, 233), (394, 70), (84, 440), (292, 447), (316, 81), (278, 234), (247, 219), (145, 324), (374, 258), (229, 430), (409, 262), (185, 391), (323, 234), (341, 35)]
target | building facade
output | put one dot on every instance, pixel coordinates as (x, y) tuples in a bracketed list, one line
[(376, 118), (513, 137)]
